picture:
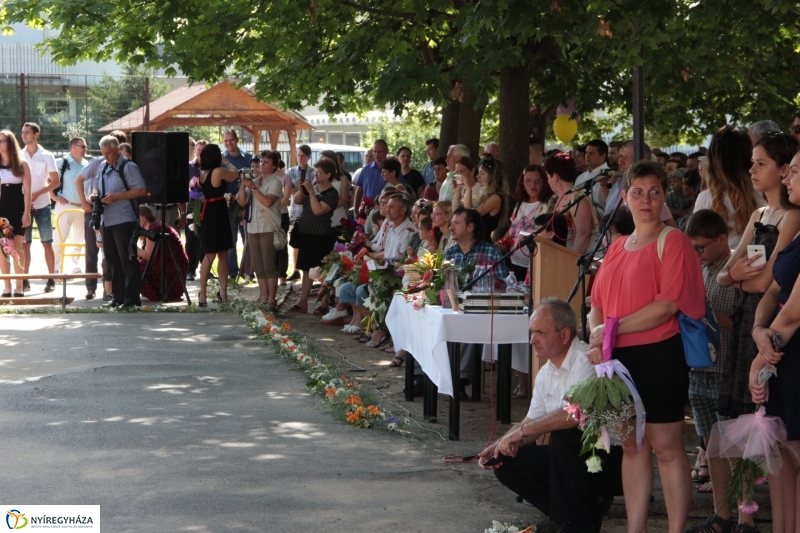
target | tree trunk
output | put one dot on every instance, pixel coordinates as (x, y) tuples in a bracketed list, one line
[(448, 132), (514, 106), (537, 122), (469, 120)]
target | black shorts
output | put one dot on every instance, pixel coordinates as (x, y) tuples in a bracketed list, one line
[(661, 376)]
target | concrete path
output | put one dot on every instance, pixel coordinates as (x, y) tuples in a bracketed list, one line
[(181, 423)]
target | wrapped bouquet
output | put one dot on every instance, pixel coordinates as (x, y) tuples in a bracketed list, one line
[(604, 405), (7, 240)]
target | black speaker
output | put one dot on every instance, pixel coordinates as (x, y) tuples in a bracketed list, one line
[(163, 158)]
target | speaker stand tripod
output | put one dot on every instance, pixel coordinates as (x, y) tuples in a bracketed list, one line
[(161, 246)]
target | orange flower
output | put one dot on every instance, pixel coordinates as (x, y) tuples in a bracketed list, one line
[(269, 318), (292, 348), (285, 340), (353, 417), (303, 356), (373, 410), (352, 400), (285, 326), (330, 391), (265, 329)]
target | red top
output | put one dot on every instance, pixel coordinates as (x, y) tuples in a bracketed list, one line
[(628, 281)]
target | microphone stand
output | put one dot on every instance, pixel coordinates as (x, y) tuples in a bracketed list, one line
[(585, 262), (527, 241)]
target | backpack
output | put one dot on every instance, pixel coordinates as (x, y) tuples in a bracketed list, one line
[(701, 337), (64, 168)]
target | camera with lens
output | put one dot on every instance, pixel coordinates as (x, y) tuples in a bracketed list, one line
[(97, 209), (133, 242), (246, 173)]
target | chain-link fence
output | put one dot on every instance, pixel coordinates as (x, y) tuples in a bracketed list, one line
[(72, 105)]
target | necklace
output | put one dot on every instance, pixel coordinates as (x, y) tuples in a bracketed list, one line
[(633, 238)]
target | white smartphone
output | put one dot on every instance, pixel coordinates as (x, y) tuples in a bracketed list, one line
[(754, 249)]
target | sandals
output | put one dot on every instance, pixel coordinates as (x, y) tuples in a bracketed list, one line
[(389, 348), (6, 295), (725, 526), (697, 478), (378, 344), (349, 328), (297, 309), (397, 362), (321, 310), (363, 338)]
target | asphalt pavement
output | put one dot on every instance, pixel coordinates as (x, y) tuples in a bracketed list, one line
[(184, 423)]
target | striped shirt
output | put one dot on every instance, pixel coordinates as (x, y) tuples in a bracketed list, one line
[(722, 300)]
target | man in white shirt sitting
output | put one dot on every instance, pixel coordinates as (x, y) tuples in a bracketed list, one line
[(554, 478)]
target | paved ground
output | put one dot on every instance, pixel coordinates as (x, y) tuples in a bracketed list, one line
[(180, 423)]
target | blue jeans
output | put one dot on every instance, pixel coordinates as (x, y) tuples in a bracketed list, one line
[(45, 224)]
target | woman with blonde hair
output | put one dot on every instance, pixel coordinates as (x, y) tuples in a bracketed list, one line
[(729, 189), (440, 216), (15, 204)]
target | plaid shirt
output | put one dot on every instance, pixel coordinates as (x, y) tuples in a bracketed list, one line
[(295, 210), (481, 254), (722, 300)]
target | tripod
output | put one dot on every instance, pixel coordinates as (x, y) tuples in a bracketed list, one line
[(161, 246)]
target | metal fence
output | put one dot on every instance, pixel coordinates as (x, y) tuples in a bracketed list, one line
[(73, 105)]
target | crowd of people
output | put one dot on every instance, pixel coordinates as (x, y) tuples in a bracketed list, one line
[(705, 207), (720, 224)]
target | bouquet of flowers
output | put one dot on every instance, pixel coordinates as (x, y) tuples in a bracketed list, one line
[(431, 269), (605, 404), (348, 229), (7, 240), (753, 442), (383, 282)]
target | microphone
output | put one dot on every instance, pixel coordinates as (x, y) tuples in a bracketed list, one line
[(585, 187)]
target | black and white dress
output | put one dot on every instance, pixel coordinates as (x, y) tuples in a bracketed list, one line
[(312, 234), (12, 199)]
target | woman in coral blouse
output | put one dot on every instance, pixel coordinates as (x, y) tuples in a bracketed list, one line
[(646, 292)]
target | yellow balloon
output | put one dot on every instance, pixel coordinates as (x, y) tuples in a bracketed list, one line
[(565, 128)]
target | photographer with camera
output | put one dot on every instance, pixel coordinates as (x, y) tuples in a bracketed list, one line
[(262, 195), (151, 280), (116, 185)]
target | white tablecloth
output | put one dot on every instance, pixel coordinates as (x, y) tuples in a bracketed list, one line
[(425, 334)]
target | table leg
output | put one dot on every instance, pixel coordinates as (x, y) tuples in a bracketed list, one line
[(477, 369), (409, 377), (454, 351), (504, 384), (64, 297), (429, 399)]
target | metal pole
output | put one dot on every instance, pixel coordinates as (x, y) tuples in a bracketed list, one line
[(638, 109), (146, 103), (22, 99)]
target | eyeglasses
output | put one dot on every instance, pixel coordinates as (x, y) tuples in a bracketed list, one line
[(776, 134)]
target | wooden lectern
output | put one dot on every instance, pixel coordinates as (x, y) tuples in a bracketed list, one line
[(555, 269)]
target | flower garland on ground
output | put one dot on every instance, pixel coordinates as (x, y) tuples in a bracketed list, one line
[(341, 394)]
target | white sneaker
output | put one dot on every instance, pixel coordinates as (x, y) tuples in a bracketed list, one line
[(334, 313), (349, 328), (77, 270)]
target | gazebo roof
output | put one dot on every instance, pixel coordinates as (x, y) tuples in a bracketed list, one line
[(220, 105)]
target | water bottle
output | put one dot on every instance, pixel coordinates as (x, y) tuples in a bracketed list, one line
[(511, 282)]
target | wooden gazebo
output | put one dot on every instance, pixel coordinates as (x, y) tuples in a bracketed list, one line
[(220, 105)]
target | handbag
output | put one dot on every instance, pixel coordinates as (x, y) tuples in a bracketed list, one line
[(700, 336), (278, 236)]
